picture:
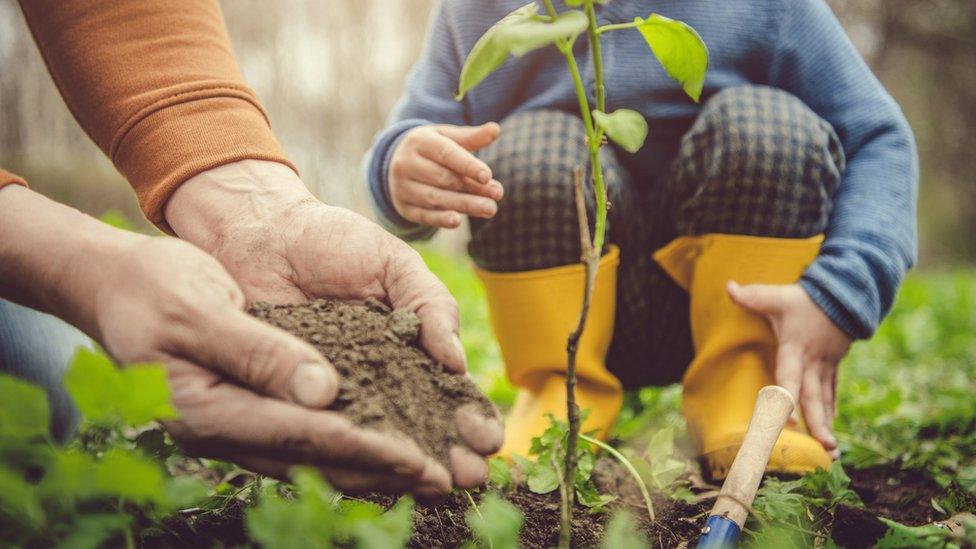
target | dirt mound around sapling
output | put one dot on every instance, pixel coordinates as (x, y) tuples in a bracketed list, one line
[(388, 382)]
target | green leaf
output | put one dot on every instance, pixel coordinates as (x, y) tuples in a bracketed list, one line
[(489, 52), (661, 444), (543, 478), (528, 34), (130, 477), (23, 409), (184, 492), (308, 521), (625, 127), (499, 473), (89, 531), (18, 501), (588, 496), (680, 50), (622, 533), (389, 529), (900, 536), (134, 395), (498, 524), (518, 33), (149, 395)]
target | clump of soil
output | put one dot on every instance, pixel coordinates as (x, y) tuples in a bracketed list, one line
[(388, 382), (855, 527)]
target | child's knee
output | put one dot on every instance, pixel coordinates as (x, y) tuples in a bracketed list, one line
[(536, 225), (757, 161)]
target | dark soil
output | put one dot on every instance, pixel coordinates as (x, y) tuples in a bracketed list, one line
[(443, 525), (887, 491), (388, 382), (904, 496)]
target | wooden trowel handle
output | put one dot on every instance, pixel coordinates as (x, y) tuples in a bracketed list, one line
[(773, 408)]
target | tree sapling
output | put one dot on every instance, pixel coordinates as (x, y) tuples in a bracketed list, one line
[(683, 55)]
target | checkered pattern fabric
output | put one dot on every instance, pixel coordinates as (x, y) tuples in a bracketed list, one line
[(757, 161)]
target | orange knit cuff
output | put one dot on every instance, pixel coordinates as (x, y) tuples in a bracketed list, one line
[(7, 178), (184, 136)]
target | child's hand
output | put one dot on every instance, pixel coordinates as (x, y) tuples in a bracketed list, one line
[(434, 178), (810, 347)]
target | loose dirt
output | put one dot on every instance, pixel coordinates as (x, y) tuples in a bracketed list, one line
[(388, 382)]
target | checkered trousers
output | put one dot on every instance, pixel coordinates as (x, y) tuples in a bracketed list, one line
[(757, 161)]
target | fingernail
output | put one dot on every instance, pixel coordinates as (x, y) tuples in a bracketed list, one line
[(459, 351), (484, 176), (499, 192), (313, 385)]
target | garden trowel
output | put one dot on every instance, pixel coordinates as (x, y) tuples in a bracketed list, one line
[(773, 408)]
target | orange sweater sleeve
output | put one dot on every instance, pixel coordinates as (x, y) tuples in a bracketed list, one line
[(155, 85), (7, 178)]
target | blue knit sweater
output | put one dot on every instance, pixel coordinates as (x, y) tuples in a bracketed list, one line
[(794, 45)]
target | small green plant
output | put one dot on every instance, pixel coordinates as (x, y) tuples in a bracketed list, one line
[(545, 473), (681, 52), (622, 533), (106, 486), (313, 515), (495, 523)]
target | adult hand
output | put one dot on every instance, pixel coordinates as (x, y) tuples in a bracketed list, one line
[(284, 246), (243, 389), (162, 300), (810, 348), (434, 178)]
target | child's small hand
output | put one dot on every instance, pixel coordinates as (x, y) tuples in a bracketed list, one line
[(810, 347), (434, 178)]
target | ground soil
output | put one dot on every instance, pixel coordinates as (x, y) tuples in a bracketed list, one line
[(887, 491), (388, 382), (904, 496), (677, 524)]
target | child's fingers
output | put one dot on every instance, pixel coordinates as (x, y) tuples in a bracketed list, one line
[(789, 374), (432, 173), (814, 409), (431, 218), (472, 138), (433, 198), (452, 156)]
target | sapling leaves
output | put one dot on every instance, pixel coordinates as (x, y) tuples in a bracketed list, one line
[(518, 33), (679, 48), (626, 127), (495, 523), (544, 473)]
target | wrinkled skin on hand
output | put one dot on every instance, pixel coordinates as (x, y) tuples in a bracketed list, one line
[(282, 245), (242, 387)]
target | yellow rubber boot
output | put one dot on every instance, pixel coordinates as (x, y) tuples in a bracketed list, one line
[(532, 314), (735, 349)]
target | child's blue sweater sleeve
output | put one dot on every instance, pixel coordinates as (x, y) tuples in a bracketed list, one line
[(429, 96), (872, 238)]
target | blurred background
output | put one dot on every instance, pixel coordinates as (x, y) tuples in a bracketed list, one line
[(329, 71)]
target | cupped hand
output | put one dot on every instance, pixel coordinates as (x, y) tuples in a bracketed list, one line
[(810, 349), (284, 246), (435, 179), (245, 391)]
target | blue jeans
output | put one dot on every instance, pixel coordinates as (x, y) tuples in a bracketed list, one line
[(37, 347)]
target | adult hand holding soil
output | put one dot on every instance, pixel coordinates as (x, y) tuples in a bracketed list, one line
[(284, 246), (243, 389), (434, 178), (810, 348)]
